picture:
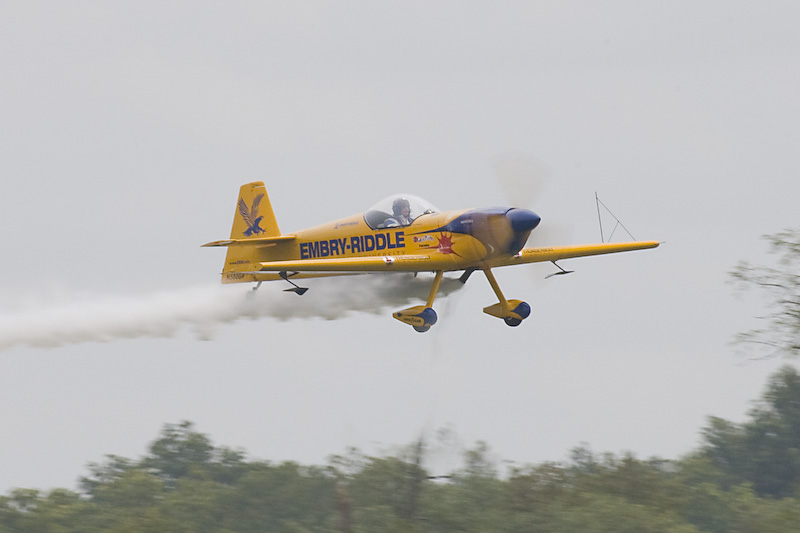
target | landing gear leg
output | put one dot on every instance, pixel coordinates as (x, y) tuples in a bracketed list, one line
[(465, 276), (513, 312), (422, 317), (437, 280), (295, 288)]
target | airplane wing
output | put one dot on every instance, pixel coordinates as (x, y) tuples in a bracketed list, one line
[(418, 263), (555, 253), (387, 263)]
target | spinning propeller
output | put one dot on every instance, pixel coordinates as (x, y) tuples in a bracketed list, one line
[(523, 178)]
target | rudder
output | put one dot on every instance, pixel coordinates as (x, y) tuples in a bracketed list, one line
[(254, 216)]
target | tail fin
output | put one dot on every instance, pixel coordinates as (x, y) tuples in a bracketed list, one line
[(254, 216)]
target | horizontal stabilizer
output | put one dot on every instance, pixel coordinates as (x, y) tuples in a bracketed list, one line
[(258, 241)]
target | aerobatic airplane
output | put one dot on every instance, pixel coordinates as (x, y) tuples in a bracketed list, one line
[(402, 233)]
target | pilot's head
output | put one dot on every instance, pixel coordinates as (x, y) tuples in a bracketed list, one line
[(401, 207)]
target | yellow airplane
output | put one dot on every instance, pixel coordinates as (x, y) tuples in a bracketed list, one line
[(402, 233)]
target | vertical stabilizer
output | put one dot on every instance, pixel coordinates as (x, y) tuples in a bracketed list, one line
[(254, 216)]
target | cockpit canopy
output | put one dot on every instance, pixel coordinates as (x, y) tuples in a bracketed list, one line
[(381, 215)]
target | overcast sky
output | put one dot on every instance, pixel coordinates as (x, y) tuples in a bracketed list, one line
[(127, 129)]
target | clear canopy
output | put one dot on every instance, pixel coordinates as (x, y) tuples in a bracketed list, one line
[(397, 210)]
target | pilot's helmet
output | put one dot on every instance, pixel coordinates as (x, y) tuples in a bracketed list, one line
[(399, 205)]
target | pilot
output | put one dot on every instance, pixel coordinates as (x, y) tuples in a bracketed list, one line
[(401, 214)]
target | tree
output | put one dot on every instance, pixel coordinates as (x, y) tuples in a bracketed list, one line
[(104, 473), (746, 479), (781, 285), (765, 451), (180, 452)]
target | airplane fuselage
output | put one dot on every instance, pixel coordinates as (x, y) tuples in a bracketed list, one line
[(457, 239)]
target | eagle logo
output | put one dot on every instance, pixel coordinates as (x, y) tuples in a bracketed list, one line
[(250, 216)]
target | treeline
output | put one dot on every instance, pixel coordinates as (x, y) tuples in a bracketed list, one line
[(744, 478)]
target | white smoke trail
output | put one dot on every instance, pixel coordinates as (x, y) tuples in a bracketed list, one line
[(203, 308)]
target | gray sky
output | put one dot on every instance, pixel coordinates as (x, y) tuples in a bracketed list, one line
[(128, 128)]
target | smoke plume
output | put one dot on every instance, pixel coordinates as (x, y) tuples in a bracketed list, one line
[(202, 308)]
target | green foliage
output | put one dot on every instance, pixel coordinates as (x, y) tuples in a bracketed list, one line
[(765, 451), (179, 453), (745, 478)]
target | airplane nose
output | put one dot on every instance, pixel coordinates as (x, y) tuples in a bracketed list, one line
[(522, 220)]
